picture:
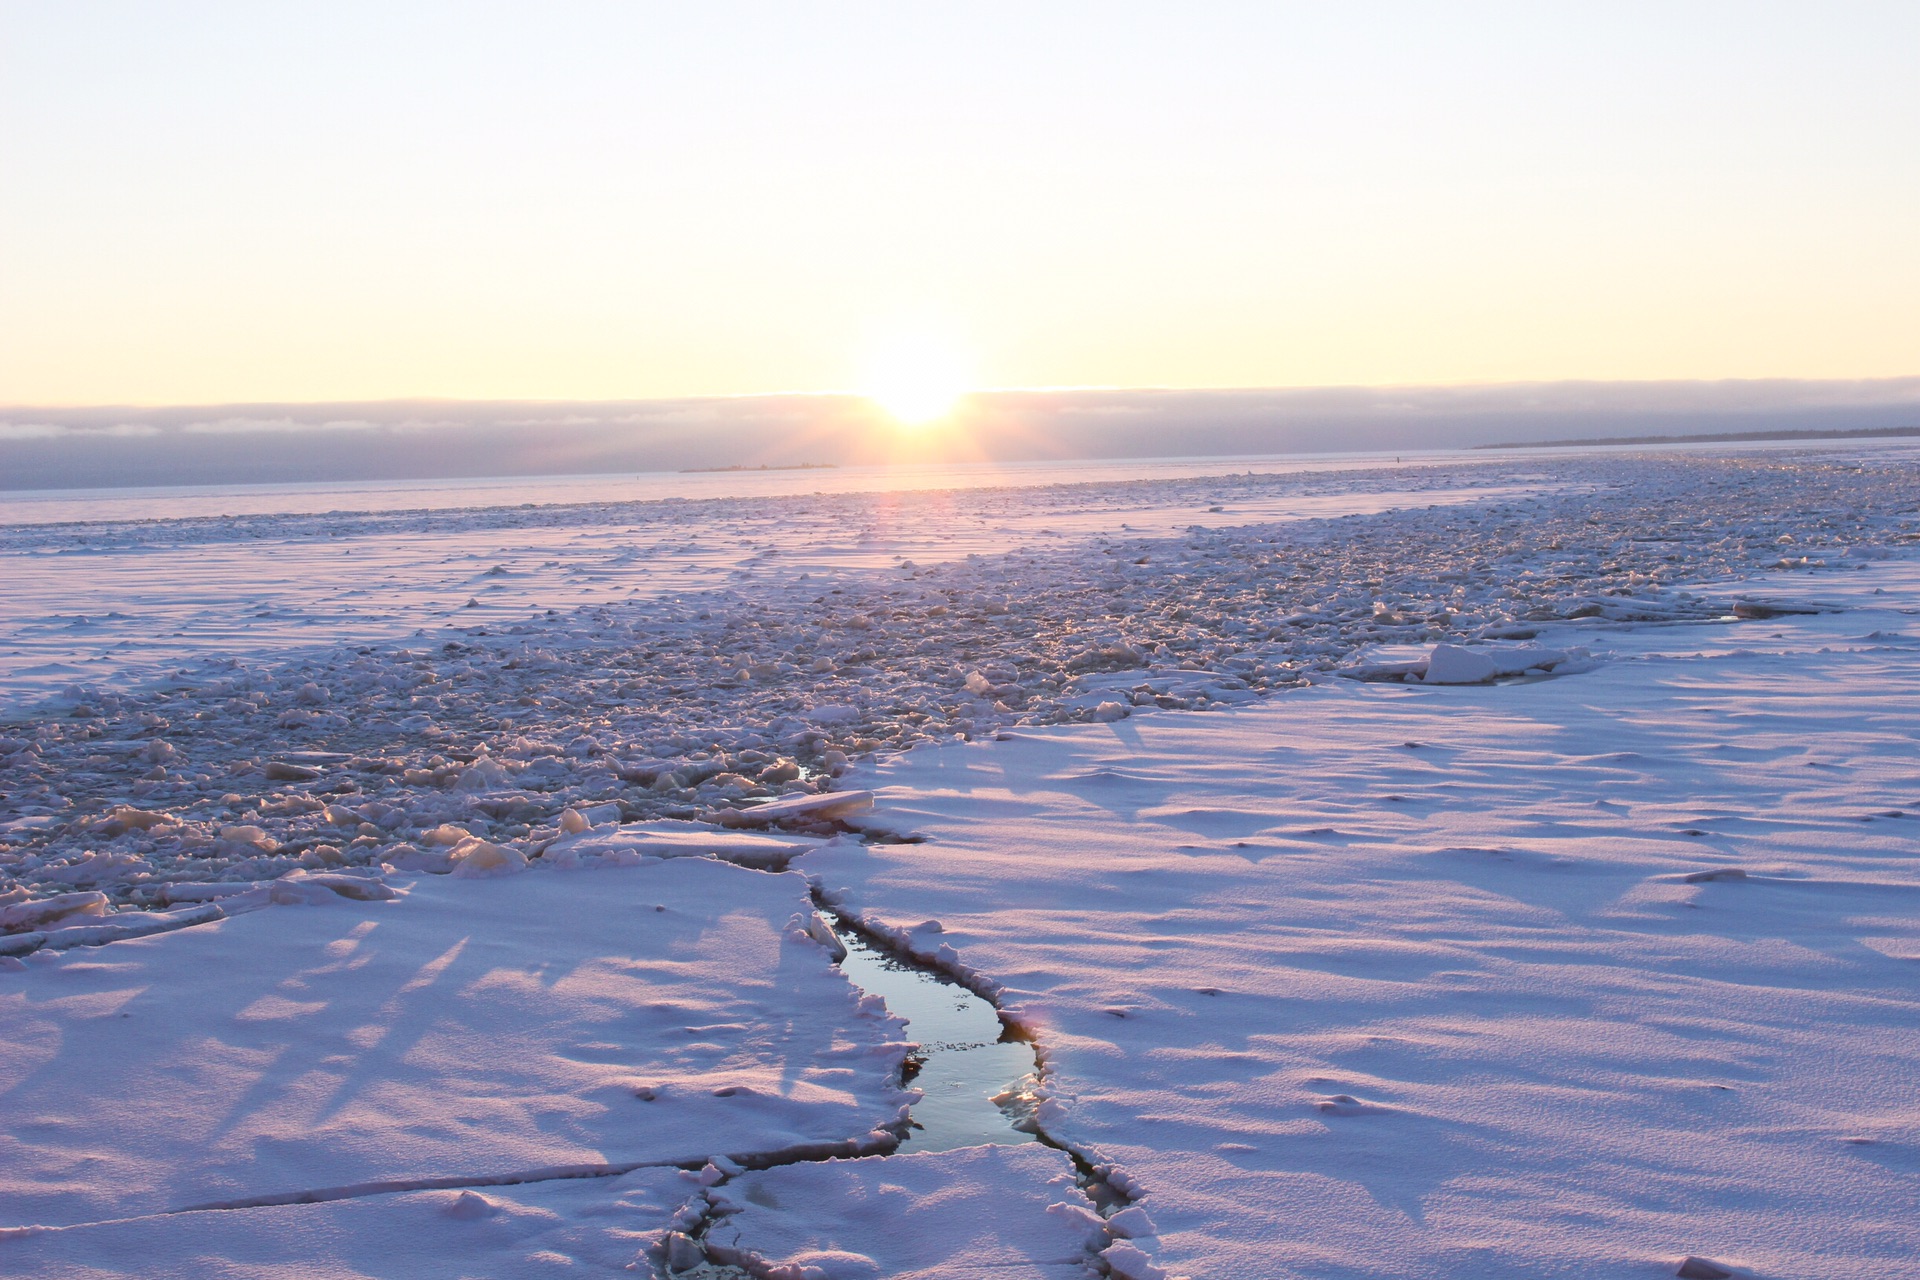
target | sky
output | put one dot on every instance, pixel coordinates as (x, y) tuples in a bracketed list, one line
[(205, 203)]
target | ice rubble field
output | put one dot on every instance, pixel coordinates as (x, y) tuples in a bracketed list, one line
[(1573, 975), (102, 601)]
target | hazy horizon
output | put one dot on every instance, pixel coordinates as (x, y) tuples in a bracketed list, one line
[(118, 446), (420, 241)]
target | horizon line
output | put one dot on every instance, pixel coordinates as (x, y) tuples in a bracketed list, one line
[(1037, 390)]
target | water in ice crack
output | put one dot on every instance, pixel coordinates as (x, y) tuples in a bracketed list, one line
[(966, 1054)]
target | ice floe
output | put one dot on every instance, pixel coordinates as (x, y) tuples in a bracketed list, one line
[(1571, 977)]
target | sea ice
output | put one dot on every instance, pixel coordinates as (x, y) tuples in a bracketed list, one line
[(1378, 979), (473, 1029), (498, 730), (668, 839), (992, 1210), (1387, 980), (1450, 664), (536, 1231)]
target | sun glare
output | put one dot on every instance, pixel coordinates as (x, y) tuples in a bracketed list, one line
[(917, 381)]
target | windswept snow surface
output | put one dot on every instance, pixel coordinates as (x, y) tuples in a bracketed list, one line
[(1580, 973), (992, 1210), (550, 1230), (1570, 978), (472, 1030)]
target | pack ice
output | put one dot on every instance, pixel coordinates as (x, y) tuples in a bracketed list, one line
[(1569, 934)]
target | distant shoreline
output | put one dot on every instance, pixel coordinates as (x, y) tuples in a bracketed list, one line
[(787, 466), (1720, 437)]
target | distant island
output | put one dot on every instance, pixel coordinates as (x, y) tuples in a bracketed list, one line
[(1723, 437), (787, 466)]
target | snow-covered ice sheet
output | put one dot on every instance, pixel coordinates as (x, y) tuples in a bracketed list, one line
[(994, 1210), (563, 1228), (1570, 978), (470, 1030)]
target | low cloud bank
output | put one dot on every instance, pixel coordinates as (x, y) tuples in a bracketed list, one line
[(110, 447)]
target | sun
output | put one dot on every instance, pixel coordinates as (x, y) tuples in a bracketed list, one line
[(916, 380)]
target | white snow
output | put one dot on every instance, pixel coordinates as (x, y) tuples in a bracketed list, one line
[(472, 1029), (1447, 969), (992, 1210), (535, 1231), (1382, 980)]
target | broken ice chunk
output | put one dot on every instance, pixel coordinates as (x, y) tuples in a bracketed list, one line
[(283, 771), (246, 840), (124, 924), (669, 839), (51, 912), (295, 893), (1451, 664), (359, 888), (484, 774), (475, 857), (1129, 1261), (833, 804)]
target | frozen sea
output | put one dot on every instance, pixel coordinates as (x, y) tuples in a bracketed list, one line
[(115, 586), (1472, 865)]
